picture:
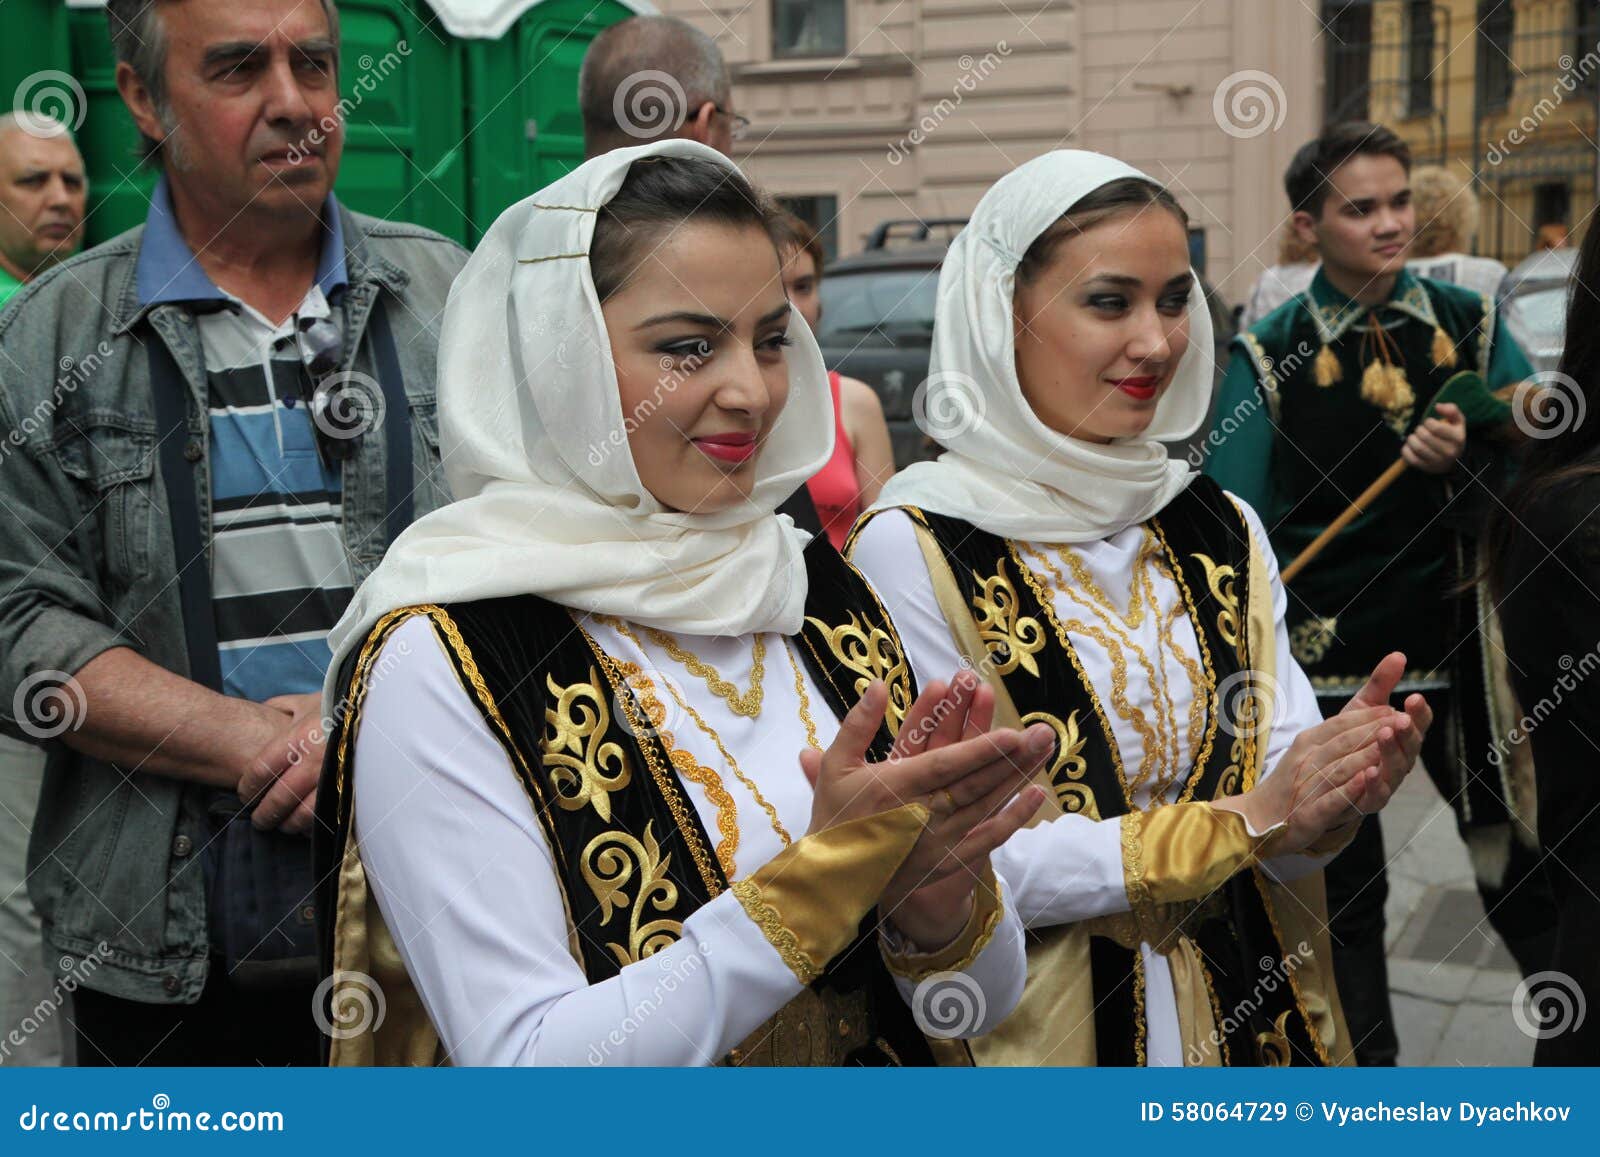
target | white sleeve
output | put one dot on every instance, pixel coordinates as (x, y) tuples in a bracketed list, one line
[(465, 880), (1295, 703), (987, 990), (1066, 870)]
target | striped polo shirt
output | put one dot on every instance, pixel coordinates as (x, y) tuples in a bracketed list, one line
[(280, 574)]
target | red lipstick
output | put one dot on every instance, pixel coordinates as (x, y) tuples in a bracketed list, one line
[(728, 447), (1141, 388)]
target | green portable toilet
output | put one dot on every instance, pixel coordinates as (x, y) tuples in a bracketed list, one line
[(454, 109)]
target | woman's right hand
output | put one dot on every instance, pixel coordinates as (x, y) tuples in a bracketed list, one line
[(967, 778), (1331, 774)]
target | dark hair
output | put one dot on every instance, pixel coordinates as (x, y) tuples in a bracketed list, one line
[(1110, 199), (1547, 466), (660, 193), (1306, 179), (795, 233)]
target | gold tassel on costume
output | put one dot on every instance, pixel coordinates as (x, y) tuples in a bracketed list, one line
[(1326, 368), (1383, 382), (1444, 350)]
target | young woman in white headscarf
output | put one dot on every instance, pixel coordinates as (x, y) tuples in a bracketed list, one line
[(623, 774), (1170, 883)]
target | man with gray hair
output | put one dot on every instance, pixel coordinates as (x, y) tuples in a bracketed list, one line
[(211, 429), (651, 77), (42, 194)]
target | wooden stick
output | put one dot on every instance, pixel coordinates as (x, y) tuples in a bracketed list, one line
[(1351, 513)]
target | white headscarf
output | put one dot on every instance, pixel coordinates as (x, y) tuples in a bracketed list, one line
[(1004, 470), (535, 449)]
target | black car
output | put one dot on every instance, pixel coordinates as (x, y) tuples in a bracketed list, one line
[(877, 320)]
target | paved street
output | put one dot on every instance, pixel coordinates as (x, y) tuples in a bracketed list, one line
[(1451, 977)]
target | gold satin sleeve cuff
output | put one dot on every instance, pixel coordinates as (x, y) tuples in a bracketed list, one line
[(1184, 852), (958, 955), (809, 899), (1331, 843)]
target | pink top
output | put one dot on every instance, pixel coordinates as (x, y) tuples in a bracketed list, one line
[(834, 488)]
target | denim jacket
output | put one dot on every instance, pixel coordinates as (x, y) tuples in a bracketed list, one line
[(87, 564)]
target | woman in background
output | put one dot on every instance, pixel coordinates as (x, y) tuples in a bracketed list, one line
[(862, 458)]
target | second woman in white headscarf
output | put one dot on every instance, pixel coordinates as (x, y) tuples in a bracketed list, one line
[(1134, 608)]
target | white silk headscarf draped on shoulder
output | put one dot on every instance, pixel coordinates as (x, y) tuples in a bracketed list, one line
[(535, 449), (1003, 469)]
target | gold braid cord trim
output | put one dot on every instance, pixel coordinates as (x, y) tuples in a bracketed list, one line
[(809, 899), (960, 953)]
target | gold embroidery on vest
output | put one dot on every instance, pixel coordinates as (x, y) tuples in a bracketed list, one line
[(872, 653), (1008, 636), (1067, 771), (1209, 689), (1273, 1046), (1310, 640), (610, 863), (584, 767), (1221, 580)]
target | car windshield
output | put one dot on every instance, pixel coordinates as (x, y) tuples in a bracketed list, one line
[(886, 307), (1542, 313)]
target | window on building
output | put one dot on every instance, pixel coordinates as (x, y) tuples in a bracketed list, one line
[(1496, 23), (1552, 201), (1586, 42), (822, 214), (1419, 57), (808, 28), (1347, 48)]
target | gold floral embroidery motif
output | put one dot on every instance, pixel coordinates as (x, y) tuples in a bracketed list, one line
[(1221, 579), (610, 864), (584, 767), (1069, 767), (872, 653), (1010, 638), (1273, 1046), (1310, 640)]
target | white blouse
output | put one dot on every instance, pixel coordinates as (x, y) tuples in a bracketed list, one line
[(464, 876), (1071, 868)]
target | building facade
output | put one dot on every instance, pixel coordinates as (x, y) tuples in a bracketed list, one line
[(870, 110)]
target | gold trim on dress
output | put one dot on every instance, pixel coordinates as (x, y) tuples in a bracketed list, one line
[(575, 752), (871, 653)]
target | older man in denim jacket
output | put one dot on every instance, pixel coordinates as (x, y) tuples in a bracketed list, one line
[(211, 428)]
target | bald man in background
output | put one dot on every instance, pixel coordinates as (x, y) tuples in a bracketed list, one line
[(42, 195)]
